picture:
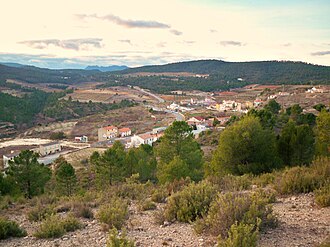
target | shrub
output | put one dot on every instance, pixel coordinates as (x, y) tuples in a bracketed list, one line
[(83, 211), (159, 195), (10, 228), (39, 212), (322, 196), (191, 203), (240, 235), (113, 214), (265, 179), (234, 183), (241, 207), (304, 179), (70, 223), (159, 216), (54, 227), (51, 227), (115, 240), (147, 205)]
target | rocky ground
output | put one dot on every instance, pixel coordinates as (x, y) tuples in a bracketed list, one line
[(301, 223)]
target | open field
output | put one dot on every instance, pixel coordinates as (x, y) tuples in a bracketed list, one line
[(77, 158), (109, 95)]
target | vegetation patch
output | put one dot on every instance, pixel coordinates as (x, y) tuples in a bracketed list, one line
[(10, 228)]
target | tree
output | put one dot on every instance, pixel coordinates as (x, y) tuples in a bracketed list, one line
[(273, 106), (178, 141), (245, 147), (296, 144), (322, 132), (174, 170), (66, 179), (110, 166), (28, 173)]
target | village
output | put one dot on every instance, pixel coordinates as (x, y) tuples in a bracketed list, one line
[(202, 111)]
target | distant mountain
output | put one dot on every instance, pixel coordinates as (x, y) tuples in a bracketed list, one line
[(33, 74), (15, 65), (106, 68), (265, 72)]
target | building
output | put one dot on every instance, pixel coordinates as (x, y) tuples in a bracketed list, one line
[(106, 133), (83, 139), (49, 148), (158, 130), (123, 132), (9, 157), (146, 138), (223, 120), (195, 120)]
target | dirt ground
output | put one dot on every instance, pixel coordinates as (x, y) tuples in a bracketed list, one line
[(109, 95)]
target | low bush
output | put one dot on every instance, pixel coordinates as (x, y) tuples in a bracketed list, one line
[(234, 183), (304, 179), (115, 240), (70, 223), (231, 207), (113, 214), (159, 195), (10, 228), (51, 227), (39, 212), (83, 211), (54, 226), (147, 205), (240, 235), (322, 196), (265, 179), (191, 203)]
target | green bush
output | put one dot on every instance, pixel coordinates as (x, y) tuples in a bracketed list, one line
[(115, 240), (240, 235), (51, 227), (234, 183), (10, 228), (191, 203), (264, 179), (113, 214), (54, 226), (159, 195), (70, 223), (322, 196), (39, 212), (304, 179), (241, 207), (147, 205)]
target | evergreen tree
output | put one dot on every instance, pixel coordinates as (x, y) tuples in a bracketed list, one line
[(66, 179), (245, 147), (323, 133), (28, 173), (178, 141)]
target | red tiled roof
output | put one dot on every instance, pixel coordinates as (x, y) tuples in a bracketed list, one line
[(124, 129), (146, 136), (110, 127)]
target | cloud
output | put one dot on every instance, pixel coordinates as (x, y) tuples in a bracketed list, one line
[(125, 41), (161, 44), (231, 43), (176, 32), (287, 44), (69, 44), (189, 42), (127, 23), (320, 53), (213, 31)]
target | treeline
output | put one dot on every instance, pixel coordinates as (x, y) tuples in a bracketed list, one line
[(165, 84)]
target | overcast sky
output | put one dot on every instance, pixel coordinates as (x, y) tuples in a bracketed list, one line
[(75, 33)]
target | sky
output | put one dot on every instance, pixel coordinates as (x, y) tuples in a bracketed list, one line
[(77, 33)]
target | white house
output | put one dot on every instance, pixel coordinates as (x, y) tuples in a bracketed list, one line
[(81, 139), (123, 132), (146, 138), (9, 157), (49, 148)]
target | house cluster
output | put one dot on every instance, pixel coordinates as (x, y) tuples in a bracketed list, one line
[(43, 150), (316, 90), (231, 105), (111, 132)]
